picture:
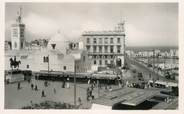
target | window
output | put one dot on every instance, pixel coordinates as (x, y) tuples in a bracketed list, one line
[(21, 35), (100, 62), (84, 58), (105, 56), (21, 44), (106, 49), (106, 41), (94, 40), (112, 49), (112, 57), (94, 62), (64, 67), (118, 49), (100, 40), (27, 66), (15, 32), (111, 41), (106, 62), (94, 49), (118, 40), (88, 48), (45, 59), (88, 40), (100, 56), (100, 49)]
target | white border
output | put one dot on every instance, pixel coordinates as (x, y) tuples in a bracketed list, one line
[(181, 60)]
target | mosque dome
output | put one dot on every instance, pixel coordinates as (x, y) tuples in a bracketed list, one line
[(58, 42)]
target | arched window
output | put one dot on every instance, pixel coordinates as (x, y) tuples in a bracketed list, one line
[(21, 44), (118, 62)]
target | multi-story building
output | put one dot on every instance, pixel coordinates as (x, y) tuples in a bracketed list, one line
[(106, 47)]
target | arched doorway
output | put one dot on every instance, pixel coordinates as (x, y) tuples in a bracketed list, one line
[(118, 62)]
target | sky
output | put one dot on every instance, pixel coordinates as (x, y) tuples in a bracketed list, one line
[(146, 24)]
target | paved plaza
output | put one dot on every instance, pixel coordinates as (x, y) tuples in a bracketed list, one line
[(15, 98)]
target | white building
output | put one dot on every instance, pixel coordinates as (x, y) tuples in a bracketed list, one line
[(58, 57), (106, 47)]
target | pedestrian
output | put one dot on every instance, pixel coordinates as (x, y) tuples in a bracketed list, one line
[(36, 88), (92, 86), (89, 81), (32, 86), (90, 92), (110, 88), (87, 92), (18, 86), (105, 87), (54, 91), (31, 103), (68, 84), (43, 93), (63, 86), (79, 101)]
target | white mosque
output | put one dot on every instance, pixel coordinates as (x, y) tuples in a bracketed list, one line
[(60, 54)]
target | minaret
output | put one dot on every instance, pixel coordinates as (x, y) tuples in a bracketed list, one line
[(18, 32)]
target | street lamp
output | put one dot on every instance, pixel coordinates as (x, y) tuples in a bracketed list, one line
[(48, 64), (75, 84)]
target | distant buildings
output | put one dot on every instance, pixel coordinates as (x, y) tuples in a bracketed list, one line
[(171, 53), (106, 47)]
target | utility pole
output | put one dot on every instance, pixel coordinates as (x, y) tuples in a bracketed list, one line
[(154, 78), (48, 65), (98, 88), (75, 84)]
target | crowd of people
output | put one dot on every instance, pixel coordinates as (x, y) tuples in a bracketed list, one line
[(91, 89)]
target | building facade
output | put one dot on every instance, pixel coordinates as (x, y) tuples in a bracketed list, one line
[(18, 33), (60, 55), (106, 47)]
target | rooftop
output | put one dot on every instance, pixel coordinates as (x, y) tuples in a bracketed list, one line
[(127, 96), (118, 33)]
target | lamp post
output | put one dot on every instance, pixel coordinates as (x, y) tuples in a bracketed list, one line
[(48, 65), (75, 84)]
